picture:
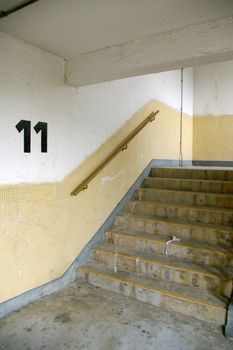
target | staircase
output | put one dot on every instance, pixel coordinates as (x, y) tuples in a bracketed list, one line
[(193, 275)]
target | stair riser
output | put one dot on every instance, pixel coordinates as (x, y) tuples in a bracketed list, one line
[(189, 185), (166, 273), (222, 175), (198, 199), (167, 229), (175, 250), (189, 214), (207, 313)]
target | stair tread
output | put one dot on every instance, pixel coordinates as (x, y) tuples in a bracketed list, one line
[(186, 191), (188, 243), (195, 207), (195, 167), (188, 179), (177, 290), (179, 222), (166, 260)]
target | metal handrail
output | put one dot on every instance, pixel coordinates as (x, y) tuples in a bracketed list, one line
[(121, 147)]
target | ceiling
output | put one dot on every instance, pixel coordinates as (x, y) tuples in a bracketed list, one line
[(71, 27), (8, 4)]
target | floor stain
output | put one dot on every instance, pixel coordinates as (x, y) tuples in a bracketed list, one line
[(63, 318), (84, 317)]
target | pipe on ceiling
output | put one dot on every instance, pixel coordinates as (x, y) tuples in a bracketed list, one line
[(16, 8)]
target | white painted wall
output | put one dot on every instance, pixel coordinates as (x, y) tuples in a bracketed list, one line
[(213, 89), (79, 120)]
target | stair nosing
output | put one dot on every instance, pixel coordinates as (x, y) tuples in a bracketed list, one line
[(187, 179), (183, 242), (159, 263), (185, 191), (134, 282), (194, 207), (186, 223)]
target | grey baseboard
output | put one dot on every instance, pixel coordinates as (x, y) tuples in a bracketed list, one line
[(229, 325), (215, 163), (70, 275), (170, 163)]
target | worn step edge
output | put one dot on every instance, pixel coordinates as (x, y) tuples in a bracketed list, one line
[(228, 195), (160, 239), (185, 206), (178, 222), (205, 172), (201, 270), (135, 282), (188, 179)]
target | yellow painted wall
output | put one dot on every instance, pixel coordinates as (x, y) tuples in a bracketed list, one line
[(213, 138), (43, 228)]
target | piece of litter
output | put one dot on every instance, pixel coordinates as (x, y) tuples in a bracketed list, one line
[(174, 239), (115, 263), (137, 263), (125, 322), (133, 206)]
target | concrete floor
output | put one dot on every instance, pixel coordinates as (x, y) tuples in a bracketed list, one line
[(85, 317)]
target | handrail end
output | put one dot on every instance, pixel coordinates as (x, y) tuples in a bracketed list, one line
[(153, 115), (78, 189)]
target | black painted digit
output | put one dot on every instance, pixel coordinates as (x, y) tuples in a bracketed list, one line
[(25, 125), (43, 127)]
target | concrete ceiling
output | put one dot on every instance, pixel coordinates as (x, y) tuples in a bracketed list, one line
[(8, 4), (104, 40), (69, 28)]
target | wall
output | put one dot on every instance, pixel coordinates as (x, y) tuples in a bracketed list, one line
[(43, 228), (32, 88), (213, 111)]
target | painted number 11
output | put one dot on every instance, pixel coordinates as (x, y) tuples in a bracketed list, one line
[(25, 126)]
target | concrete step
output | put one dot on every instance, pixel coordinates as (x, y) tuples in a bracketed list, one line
[(163, 267), (194, 276), (214, 234), (191, 251), (193, 173), (206, 215), (185, 197), (195, 185), (184, 299)]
